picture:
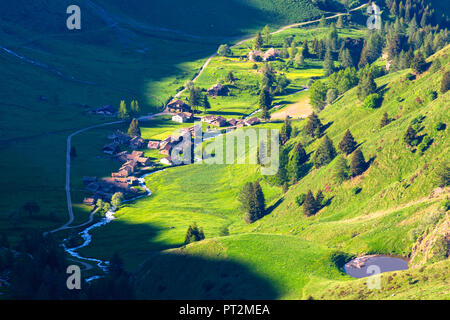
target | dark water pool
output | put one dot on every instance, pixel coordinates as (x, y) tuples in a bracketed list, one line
[(369, 265)]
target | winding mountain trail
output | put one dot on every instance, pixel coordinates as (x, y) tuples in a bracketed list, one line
[(70, 220)]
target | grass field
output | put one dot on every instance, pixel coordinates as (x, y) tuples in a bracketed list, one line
[(394, 199)]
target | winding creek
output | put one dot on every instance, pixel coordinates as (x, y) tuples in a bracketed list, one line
[(87, 237)]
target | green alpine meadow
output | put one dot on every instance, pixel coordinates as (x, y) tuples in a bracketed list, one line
[(225, 150)]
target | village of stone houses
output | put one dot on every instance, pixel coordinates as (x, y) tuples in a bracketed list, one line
[(129, 150)]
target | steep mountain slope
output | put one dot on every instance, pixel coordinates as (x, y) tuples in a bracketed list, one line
[(395, 196)]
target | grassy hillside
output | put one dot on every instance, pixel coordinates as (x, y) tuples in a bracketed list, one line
[(393, 201), (125, 50)]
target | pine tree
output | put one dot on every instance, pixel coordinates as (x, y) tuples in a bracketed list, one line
[(322, 21), (299, 60), (333, 38), (260, 202), (319, 200), (313, 126), (340, 23), (305, 50), (366, 86), (123, 111), (194, 234), (385, 120), (328, 63), (325, 153), (309, 205), (265, 98), (410, 137), (358, 163), (341, 169), (445, 83), (418, 63), (296, 163), (348, 143), (230, 77), (318, 95), (286, 130), (294, 49), (133, 129), (284, 52), (245, 195), (134, 107), (258, 42), (266, 34), (265, 114), (206, 105)]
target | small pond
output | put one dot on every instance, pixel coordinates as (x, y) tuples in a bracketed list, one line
[(369, 265)]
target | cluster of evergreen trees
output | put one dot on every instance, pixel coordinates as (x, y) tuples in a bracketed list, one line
[(125, 112), (193, 234), (271, 84)]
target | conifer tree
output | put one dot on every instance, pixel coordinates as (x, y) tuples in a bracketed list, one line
[(322, 21), (366, 86), (340, 23), (410, 137), (294, 49), (325, 153), (194, 234), (314, 125), (328, 63), (305, 50), (299, 60), (260, 202), (348, 143), (286, 130), (341, 169), (358, 163), (418, 63), (133, 129), (319, 200), (309, 205), (258, 42), (385, 120), (266, 34), (296, 163), (265, 114), (206, 105), (123, 111), (445, 83), (265, 98)]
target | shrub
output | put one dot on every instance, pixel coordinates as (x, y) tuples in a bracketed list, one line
[(356, 190), (300, 199), (372, 101), (424, 145), (439, 126), (436, 65), (431, 95)]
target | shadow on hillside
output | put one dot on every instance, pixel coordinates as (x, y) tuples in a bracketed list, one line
[(168, 275), (274, 206)]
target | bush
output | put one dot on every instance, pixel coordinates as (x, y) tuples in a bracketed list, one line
[(356, 190), (424, 145), (439, 126), (372, 101), (300, 199), (431, 95)]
